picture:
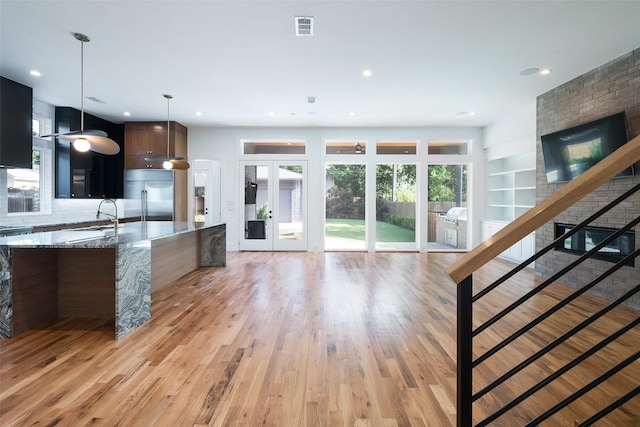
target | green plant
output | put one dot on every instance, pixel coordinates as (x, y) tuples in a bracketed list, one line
[(405, 222), (262, 212)]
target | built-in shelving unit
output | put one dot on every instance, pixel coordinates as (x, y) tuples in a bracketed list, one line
[(511, 188)]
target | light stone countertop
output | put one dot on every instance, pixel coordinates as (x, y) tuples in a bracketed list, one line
[(103, 236)]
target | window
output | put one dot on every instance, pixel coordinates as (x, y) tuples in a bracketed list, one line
[(345, 204), (346, 147), (35, 127), (274, 147), (23, 187), (401, 147), (448, 147)]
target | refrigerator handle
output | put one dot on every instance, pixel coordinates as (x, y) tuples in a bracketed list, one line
[(143, 205)]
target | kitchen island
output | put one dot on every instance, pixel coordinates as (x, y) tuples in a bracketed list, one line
[(99, 272)]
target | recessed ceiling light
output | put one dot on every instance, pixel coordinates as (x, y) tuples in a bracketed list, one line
[(198, 113), (352, 113), (35, 73), (545, 71), (367, 73), (529, 71), (472, 113), (126, 113), (465, 113), (271, 113)]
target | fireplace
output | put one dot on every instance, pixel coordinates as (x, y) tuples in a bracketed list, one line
[(589, 237)]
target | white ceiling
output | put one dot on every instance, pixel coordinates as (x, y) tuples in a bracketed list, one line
[(236, 61)]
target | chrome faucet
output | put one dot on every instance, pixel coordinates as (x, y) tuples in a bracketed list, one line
[(114, 218)]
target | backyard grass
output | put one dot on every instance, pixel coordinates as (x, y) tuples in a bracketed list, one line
[(353, 229)]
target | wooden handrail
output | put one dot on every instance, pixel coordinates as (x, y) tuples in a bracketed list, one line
[(546, 210)]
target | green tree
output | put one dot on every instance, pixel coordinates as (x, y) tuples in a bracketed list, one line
[(349, 178), (345, 199), (404, 186), (446, 182)]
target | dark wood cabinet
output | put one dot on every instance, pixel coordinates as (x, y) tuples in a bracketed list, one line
[(149, 139), (16, 113), (87, 175)]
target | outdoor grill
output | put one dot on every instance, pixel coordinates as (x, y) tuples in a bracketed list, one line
[(455, 214), (451, 228)]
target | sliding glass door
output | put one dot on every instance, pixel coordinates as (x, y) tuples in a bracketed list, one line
[(345, 204), (448, 221), (396, 207)]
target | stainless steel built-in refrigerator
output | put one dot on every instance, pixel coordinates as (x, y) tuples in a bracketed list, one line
[(148, 194)]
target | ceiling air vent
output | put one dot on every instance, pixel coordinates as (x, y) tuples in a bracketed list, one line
[(304, 26)]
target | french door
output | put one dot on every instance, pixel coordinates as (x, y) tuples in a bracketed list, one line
[(275, 204)]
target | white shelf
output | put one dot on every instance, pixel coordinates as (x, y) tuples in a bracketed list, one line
[(511, 186)]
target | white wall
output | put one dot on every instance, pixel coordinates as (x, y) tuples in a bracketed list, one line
[(513, 134), (224, 144)]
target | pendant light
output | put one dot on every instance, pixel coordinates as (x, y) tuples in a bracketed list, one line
[(170, 162), (94, 140)]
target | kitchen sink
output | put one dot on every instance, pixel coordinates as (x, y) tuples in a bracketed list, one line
[(91, 233), (79, 235), (94, 228)]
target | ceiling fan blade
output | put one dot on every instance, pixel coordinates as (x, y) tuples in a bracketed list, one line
[(99, 144), (180, 164), (103, 145), (77, 132), (94, 132)]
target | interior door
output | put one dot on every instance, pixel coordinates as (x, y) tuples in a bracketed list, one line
[(206, 205), (275, 200)]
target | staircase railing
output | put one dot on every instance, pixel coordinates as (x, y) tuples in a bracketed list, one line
[(462, 270)]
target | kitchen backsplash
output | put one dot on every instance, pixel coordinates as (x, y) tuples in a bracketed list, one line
[(63, 211)]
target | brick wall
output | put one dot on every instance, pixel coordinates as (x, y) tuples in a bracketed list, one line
[(608, 89)]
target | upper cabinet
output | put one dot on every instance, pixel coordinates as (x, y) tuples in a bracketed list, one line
[(16, 105), (87, 175), (150, 139)]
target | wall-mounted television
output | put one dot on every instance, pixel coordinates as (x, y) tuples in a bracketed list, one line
[(570, 152)]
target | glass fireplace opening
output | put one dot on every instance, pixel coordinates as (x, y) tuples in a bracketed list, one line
[(589, 237)]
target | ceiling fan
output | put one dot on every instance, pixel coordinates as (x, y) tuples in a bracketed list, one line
[(169, 162), (91, 139)]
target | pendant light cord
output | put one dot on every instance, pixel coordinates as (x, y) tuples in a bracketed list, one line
[(81, 86), (168, 124), (83, 39)]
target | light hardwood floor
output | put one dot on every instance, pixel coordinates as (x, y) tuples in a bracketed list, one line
[(300, 339)]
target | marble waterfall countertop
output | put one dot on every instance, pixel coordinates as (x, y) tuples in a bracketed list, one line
[(104, 236), (45, 274)]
